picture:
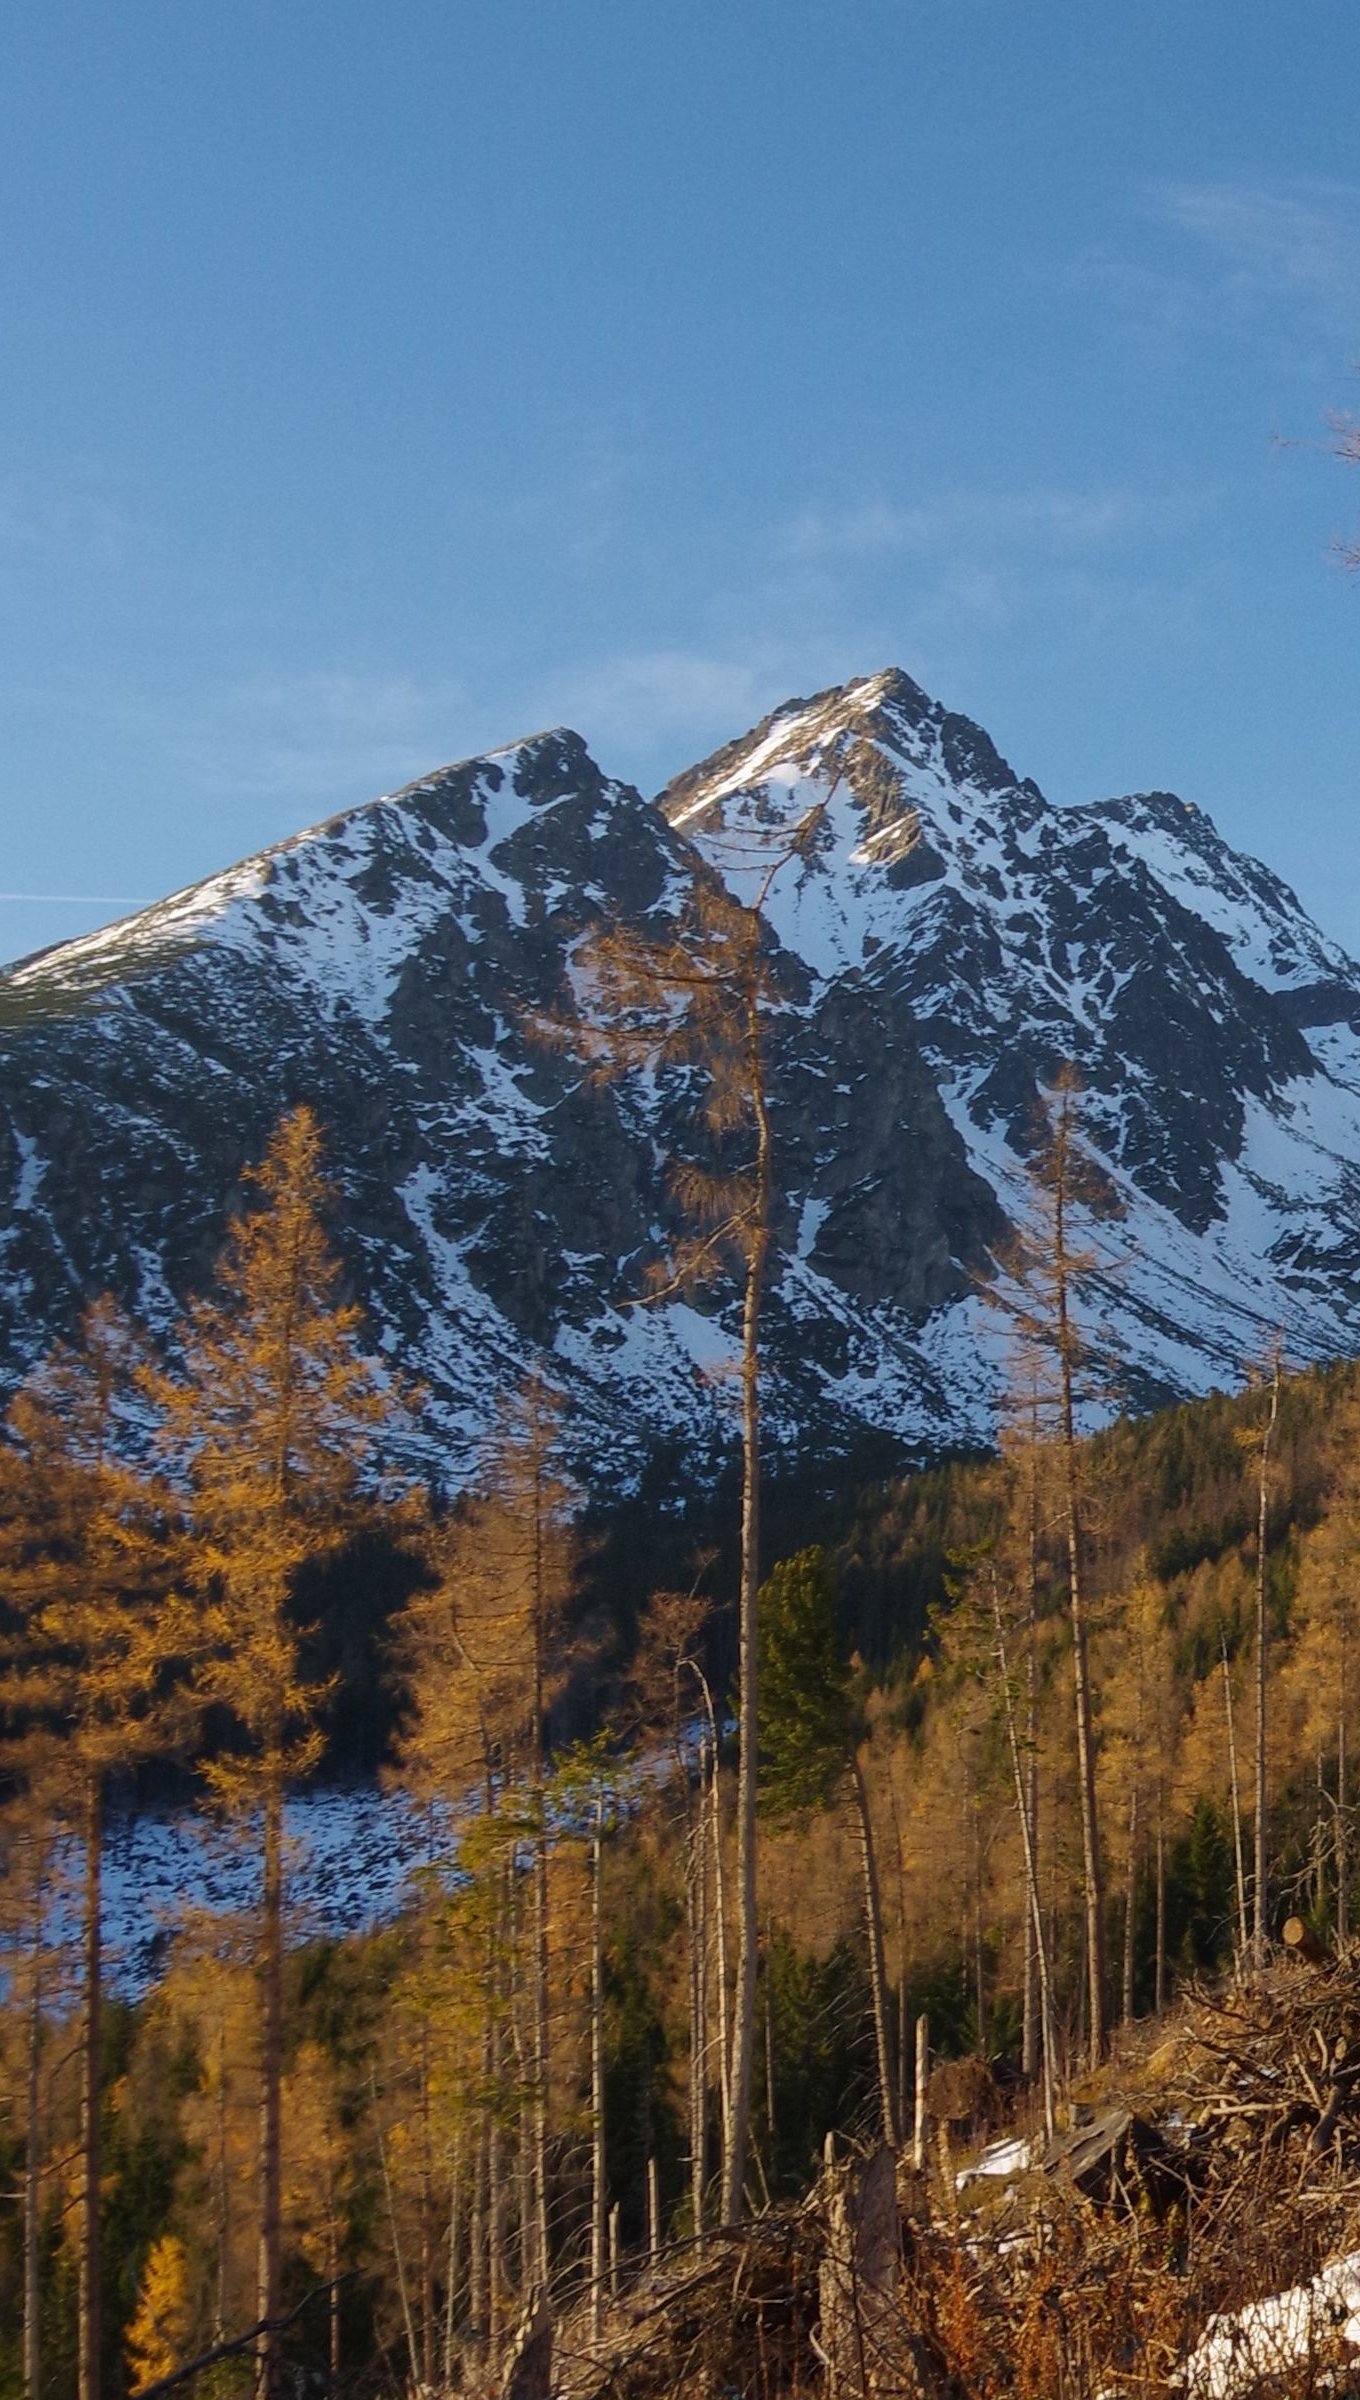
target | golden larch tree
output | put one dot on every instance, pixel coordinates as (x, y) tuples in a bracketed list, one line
[(93, 1631), (271, 1419)]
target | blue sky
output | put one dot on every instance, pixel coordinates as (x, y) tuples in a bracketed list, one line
[(378, 383)]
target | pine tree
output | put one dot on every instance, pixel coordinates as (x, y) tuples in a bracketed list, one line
[(271, 1419), (85, 1664)]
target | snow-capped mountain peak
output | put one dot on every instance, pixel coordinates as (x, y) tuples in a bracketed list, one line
[(956, 938)]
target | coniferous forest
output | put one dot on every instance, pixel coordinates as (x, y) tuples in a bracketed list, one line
[(1049, 1757)]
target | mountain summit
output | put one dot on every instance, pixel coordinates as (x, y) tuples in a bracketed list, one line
[(949, 939)]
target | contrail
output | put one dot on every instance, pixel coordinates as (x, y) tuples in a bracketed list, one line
[(81, 899)]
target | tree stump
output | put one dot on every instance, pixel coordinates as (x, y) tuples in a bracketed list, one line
[(868, 2352), (527, 2374)]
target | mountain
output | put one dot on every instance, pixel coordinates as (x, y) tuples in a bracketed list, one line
[(946, 942)]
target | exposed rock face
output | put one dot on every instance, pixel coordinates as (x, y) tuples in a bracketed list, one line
[(950, 939)]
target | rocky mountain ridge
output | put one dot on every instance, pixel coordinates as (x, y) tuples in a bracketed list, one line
[(949, 939)]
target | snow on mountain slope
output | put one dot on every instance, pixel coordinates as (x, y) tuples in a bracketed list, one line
[(947, 940), (1216, 1031)]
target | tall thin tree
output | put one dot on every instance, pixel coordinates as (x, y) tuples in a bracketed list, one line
[(270, 1419), (93, 1631), (700, 997)]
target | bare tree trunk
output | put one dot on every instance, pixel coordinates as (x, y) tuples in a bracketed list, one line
[(33, 2166), (696, 1880), (1258, 1935), (537, 2271), (1159, 1985), (333, 2304), (451, 2286), (268, 2359), (1343, 1891), (90, 2097), (1029, 1847), (768, 2014), (398, 2259), (1028, 1801), (598, 2201), (497, 2277), (723, 1976), (1086, 1748), (477, 2219), (427, 2327), (1130, 1906), (748, 1930), (903, 2053), (979, 1930), (922, 2077), (878, 1974), (1236, 1807), (223, 2189)]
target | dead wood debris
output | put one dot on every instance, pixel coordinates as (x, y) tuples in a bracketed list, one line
[(1222, 2167)]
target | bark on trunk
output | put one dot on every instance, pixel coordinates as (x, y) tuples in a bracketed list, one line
[(598, 2204), (538, 2246), (268, 2361), (1028, 1802), (33, 2169), (744, 2015), (1159, 1986), (1081, 1679), (1029, 1849), (695, 1883), (1258, 1929), (723, 1975), (1343, 1884), (1236, 1808), (333, 2347), (1130, 1907), (878, 1974), (90, 2331)]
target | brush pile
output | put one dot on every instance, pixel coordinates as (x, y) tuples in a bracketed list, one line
[(1195, 2231)]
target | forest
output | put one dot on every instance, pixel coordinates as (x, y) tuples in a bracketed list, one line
[(1043, 1741)]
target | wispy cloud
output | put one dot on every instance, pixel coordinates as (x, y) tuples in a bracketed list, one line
[(1046, 523), (637, 698), (52, 520), (78, 899), (306, 737), (1296, 240)]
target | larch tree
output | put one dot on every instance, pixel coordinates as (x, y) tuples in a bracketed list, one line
[(270, 1419), (93, 1635), (481, 1655), (1047, 1318), (1263, 1444), (700, 998)]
